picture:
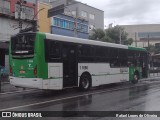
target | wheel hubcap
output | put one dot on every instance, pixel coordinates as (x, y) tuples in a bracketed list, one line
[(135, 77), (85, 83)]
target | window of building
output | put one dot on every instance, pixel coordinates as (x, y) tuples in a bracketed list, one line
[(79, 27), (61, 23), (67, 25), (4, 7), (91, 16), (71, 25), (82, 28), (58, 22), (74, 13), (83, 14)]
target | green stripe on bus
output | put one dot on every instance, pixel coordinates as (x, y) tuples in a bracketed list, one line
[(42, 66), (135, 48), (110, 74)]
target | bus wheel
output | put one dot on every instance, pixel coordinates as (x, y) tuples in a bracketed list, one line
[(85, 82), (135, 78)]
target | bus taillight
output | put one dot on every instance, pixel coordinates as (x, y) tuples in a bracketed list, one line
[(11, 70), (35, 71)]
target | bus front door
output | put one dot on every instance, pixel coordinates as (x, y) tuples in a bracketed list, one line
[(69, 66)]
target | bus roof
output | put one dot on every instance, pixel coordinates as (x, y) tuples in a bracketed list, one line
[(83, 41), (89, 42)]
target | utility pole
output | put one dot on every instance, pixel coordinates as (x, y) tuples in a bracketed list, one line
[(19, 15), (135, 39), (148, 42), (75, 19), (75, 23), (20, 3), (120, 34)]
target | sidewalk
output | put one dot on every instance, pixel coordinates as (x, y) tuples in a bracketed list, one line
[(7, 87), (155, 76)]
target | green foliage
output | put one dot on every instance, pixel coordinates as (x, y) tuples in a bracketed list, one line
[(97, 34), (129, 41), (151, 49), (111, 35)]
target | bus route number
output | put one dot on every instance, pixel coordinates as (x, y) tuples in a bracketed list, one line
[(83, 67)]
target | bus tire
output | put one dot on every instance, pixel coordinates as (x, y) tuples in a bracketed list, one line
[(135, 78), (85, 82)]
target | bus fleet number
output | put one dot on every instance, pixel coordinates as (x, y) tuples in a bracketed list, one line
[(83, 67)]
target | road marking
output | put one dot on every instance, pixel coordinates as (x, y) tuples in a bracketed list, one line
[(49, 101)]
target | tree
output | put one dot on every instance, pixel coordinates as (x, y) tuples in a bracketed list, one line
[(129, 41), (117, 33), (151, 49), (97, 34), (111, 35)]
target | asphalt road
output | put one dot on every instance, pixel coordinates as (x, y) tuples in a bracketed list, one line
[(144, 96)]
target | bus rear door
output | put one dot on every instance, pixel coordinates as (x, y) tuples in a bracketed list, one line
[(69, 65)]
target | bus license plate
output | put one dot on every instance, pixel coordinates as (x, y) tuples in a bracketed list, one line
[(22, 71)]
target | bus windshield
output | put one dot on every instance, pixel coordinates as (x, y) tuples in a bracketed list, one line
[(22, 45)]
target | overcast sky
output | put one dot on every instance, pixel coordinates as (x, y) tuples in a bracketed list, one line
[(125, 12)]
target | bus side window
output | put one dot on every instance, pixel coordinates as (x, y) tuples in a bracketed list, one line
[(114, 57), (122, 57), (100, 54), (52, 50), (131, 58), (86, 53)]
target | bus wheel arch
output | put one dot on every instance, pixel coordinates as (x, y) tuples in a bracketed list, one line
[(136, 77), (85, 82)]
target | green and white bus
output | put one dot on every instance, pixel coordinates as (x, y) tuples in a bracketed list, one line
[(53, 62)]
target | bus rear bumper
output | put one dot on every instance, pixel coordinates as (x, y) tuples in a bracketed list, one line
[(26, 82), (37, 83)]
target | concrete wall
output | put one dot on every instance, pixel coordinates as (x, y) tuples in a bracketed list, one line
[(8, 28), (98, 22), (58, 2), (134, 30)]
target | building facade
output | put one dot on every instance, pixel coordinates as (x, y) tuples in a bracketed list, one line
[(143, 35), (66, 25), (9, 16), (44, 22), (94, 16), (9, 22)]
